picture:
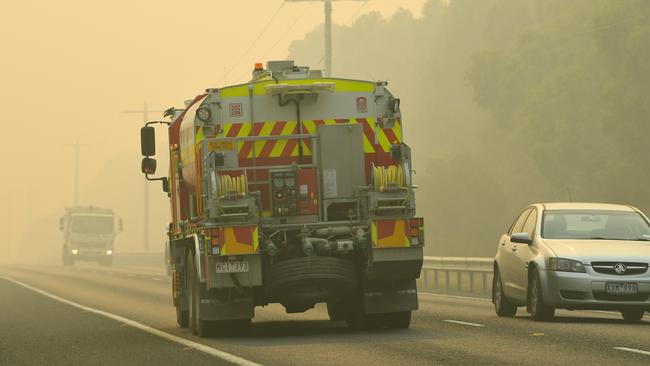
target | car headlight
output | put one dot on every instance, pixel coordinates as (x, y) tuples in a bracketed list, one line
[(565, 265), (75, 251), (109, 252)]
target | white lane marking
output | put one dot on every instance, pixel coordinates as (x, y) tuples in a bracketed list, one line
[(454, 296), (634, 350), (156, 279), (463, 323), (186, 342)]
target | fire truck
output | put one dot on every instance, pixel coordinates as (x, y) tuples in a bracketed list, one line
[(293, 188)]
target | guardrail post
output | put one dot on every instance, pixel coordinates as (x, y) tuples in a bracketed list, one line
[(471, 281), (459, 283), (447, 281), (425, 278), (485, 286), (435, 278)]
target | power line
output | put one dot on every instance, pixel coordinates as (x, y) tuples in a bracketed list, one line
[(241, 58), (288, 30), (356, 12)]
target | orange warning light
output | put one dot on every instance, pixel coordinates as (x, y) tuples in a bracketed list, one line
[(258, 66)]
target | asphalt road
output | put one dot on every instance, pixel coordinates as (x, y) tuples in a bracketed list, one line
[(445, 331)]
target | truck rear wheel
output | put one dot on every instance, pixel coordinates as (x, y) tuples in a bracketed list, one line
[(202, 328), (398, 320), (182, 317)]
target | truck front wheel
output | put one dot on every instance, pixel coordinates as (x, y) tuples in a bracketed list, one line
[(67, 258)]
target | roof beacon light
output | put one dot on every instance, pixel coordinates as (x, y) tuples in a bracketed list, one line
[(259, 66)]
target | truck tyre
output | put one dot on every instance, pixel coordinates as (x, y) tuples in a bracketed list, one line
[(202, 328), (337, 310), (397, 320), (335, 273), (67, 258), (536, 306), (182, 317), (632, 315), (502, 306)]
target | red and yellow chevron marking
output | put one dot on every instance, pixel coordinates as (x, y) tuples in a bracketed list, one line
[(239, 240), (283, 148), (390, 234)]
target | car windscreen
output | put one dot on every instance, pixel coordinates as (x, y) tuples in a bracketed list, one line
[(594, 224), (91, 224)]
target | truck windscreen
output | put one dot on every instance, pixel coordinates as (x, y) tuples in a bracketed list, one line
[(95, 224)]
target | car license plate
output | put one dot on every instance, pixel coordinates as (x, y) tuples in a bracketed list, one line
[(622, 288), (232, 267)]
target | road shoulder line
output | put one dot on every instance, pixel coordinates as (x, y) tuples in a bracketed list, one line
[(186, 342), (463, 323), (633, 350)]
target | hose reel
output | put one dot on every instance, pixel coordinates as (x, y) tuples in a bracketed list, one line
[(232, 185), (388, 177)]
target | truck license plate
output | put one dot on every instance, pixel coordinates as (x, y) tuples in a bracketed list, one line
[(622, 288), (232, 267)]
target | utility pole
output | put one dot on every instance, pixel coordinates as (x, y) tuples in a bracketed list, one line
[(145, 114), (328, 31), (77, 147)]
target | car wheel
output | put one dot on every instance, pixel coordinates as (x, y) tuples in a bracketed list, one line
[(632, 315), (502, 305), (536, 306)]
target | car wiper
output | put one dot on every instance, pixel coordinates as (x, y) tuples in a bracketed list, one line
[(640, 239), (600, 238)]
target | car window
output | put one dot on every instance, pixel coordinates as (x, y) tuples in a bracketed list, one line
[(531, 222), (519, 224), (595, 225)]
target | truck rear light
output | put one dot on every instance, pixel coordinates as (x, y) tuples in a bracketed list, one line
[(417, 230), (214, 241)]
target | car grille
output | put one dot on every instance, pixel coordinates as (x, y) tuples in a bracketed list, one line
[(602, 296), (632, 268)]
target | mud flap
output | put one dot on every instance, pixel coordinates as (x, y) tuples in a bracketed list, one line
[(389, 296), (227, 304), (394, 263)]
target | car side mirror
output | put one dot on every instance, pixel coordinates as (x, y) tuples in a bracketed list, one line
[(148, 166), (522, 238), (148, 141)]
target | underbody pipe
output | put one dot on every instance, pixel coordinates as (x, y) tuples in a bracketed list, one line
[(329, 231), (309, 245)]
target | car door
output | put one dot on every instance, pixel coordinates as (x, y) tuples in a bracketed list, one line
[(508, 257), (523, 254)]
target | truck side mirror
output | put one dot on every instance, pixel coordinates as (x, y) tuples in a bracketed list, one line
[(148, 166), (148, 141), (61, 224), (165, 184), (120, 224)]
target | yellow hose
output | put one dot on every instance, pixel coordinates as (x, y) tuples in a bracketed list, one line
[(228, 184), (391, 176)]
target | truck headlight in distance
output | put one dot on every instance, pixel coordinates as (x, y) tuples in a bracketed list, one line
[(75, 251), (109, 252), (565, 265)]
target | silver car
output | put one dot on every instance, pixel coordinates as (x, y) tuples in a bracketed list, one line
[(574, 256)]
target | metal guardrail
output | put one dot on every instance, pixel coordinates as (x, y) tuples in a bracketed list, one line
[(470, 276), (458, 275)]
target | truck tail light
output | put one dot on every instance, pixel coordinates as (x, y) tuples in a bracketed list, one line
[(416, 226), (214, 241)]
